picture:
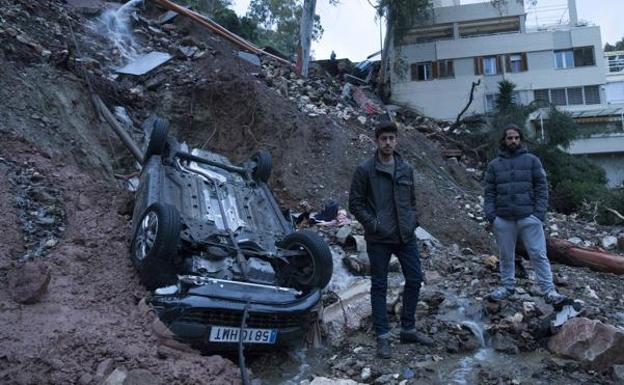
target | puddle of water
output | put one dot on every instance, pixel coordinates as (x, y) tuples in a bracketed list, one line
[(299, 365)]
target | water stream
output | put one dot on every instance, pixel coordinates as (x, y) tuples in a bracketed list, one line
[(115, 26)]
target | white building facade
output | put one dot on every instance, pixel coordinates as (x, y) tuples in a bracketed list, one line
[(440, 58)]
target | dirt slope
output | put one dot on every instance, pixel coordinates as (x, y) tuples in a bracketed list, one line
[(89, 313)]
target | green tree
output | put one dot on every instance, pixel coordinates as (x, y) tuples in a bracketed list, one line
[(279, 21), (619, 46)]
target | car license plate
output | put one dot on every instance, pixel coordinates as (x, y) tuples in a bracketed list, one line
[(252, 336)]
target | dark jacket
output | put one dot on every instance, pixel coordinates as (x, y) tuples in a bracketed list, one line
[(384, 204), (515, 186)]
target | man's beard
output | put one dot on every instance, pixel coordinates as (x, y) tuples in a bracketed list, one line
[(511, 147)]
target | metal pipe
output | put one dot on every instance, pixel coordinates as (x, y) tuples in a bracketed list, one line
[(227, 167), (542, 126), (120, 131)]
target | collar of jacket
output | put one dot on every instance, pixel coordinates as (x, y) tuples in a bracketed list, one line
[(399, 164), (504, 153)]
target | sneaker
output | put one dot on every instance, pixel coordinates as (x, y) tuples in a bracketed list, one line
[(554, 298), (383, 347), (412, 336), (500, 294)]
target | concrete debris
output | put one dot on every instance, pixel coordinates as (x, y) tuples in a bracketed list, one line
[(167, 17), (596, 345), (117, 377), (609, 242), (144, 63), (347, 314), (566, 313), (250, 58)]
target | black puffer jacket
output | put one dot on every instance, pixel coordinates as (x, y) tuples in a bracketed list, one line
[(384, 204), (515, 186)]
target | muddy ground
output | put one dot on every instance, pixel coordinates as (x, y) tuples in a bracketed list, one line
[(66, 209)]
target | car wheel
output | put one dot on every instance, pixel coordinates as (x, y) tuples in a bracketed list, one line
[(155, 244), (264, 166), (311, 270), (158, 138)]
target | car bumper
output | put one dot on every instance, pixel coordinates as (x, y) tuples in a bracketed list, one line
[(192, 311)]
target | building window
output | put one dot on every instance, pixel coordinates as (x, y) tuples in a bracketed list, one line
[(592, 95), (558, 96), (567, 96), (517, 62), (445, 69), (541, 98), (564, 59), (575, 96), (421, 71), (490, 102), (489, 65), (584, 56), (577, 57)]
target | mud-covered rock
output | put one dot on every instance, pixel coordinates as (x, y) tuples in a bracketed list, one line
[(28, 283)]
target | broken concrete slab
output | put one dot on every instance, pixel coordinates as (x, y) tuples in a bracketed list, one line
[(167, 17), (251, 58), (567, 312), (596, 345), (188, 52), (117, 377), (424, 235), (352, 307), (145, 63)]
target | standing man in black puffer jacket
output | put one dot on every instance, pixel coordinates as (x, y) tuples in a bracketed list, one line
[(516, 199), (383, 200)]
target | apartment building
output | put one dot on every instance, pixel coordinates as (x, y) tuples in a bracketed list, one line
[(605, 122), (438, 59)]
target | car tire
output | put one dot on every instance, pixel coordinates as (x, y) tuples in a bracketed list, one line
[(263, 167), (155, 245), (314, 270), (158, 138)]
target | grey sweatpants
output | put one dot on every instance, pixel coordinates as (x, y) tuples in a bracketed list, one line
[(532, 235)]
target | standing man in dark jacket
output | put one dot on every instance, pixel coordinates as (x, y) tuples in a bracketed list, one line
[(383, 200), (516, 199)]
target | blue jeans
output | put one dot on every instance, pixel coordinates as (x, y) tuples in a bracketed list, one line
[(532, 234), (379, 255)]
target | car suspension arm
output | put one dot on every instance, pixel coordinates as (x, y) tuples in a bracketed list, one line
[(194, 158)]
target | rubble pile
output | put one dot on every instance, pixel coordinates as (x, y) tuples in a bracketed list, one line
[(321, 96), (454, 311)]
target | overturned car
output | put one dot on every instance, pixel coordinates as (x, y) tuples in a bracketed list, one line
[(226, 265)]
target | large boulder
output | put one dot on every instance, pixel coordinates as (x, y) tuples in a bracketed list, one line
[(596, 345)]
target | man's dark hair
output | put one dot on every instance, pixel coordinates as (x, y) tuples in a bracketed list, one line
[(508, 127), (385, 127)]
